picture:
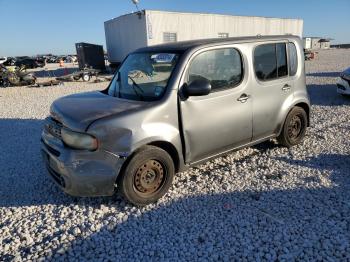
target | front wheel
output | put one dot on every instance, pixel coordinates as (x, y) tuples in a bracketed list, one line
[(294, 128), (147, 176)]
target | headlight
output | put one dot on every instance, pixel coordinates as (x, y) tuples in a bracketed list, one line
[(345, 76), (78, 140)]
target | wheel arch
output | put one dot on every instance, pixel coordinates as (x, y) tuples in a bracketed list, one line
[(305, 106), (170, 149), (166, 146)]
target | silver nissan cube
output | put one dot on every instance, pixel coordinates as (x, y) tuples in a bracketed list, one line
[(173, 106)]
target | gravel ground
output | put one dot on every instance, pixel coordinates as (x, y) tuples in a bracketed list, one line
[(263, 203)]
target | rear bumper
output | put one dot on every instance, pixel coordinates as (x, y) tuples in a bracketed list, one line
[(80, 173)]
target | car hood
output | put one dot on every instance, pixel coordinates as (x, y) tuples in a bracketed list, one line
[(78, 111), (347, 72)]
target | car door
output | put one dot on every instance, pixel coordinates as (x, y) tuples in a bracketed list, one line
[(273, 88), (221, 120)]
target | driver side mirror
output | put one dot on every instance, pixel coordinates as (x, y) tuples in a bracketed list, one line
[(198, 87)]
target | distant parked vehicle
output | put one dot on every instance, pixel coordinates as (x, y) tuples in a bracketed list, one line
[(59, 58), (41, 61), (52, 59), (343, 84), (30, 63), (70, 59), (22, 57), (173, 106), (10, 61), (3, 60)]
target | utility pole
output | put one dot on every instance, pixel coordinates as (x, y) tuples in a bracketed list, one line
[(136, 2)]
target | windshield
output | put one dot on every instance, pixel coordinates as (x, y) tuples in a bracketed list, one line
[(143, 76)]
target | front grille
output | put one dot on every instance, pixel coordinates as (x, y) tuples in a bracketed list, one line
[(341, 87), (57, 177), (53, 127), (53, 151)]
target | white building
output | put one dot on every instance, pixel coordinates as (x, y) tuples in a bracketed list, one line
[(126, 33), (315, 43)]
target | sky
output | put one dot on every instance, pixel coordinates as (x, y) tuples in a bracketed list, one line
[(30, 27)]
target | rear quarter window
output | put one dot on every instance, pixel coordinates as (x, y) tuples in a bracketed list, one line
[(293, 59)]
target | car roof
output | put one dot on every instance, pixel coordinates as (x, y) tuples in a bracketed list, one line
[(181, 47)]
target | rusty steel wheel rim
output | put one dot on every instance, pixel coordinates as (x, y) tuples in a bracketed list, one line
[(295, 127), (149, 177)]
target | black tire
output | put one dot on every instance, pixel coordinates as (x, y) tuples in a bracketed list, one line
[(86, 77), (147, 177), (4, 83), (7, 83), (76, 78), (294, 128)]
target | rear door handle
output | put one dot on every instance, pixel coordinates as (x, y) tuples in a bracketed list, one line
[(243, 98), (286, 87)]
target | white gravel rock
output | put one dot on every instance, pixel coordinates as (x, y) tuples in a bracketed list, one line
[(263, 203)]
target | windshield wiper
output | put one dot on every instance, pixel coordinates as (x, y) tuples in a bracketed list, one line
[(137, 89)]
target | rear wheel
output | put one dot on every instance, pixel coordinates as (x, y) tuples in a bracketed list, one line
[(86, 77), (294, 128), (147, 176)]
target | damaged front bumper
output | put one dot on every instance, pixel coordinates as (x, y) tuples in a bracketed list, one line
[(79, 172)]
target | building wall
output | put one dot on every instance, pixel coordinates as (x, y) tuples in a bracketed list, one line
[(316, 44), (125, 34), (190, 26), (325, 45), (307, 42)]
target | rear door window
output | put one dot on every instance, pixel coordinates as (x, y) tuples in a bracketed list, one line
[(282, 67), (270, 61), (265, 62)]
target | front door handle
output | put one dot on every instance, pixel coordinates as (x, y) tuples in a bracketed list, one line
[(286, 87), (243, 98)]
